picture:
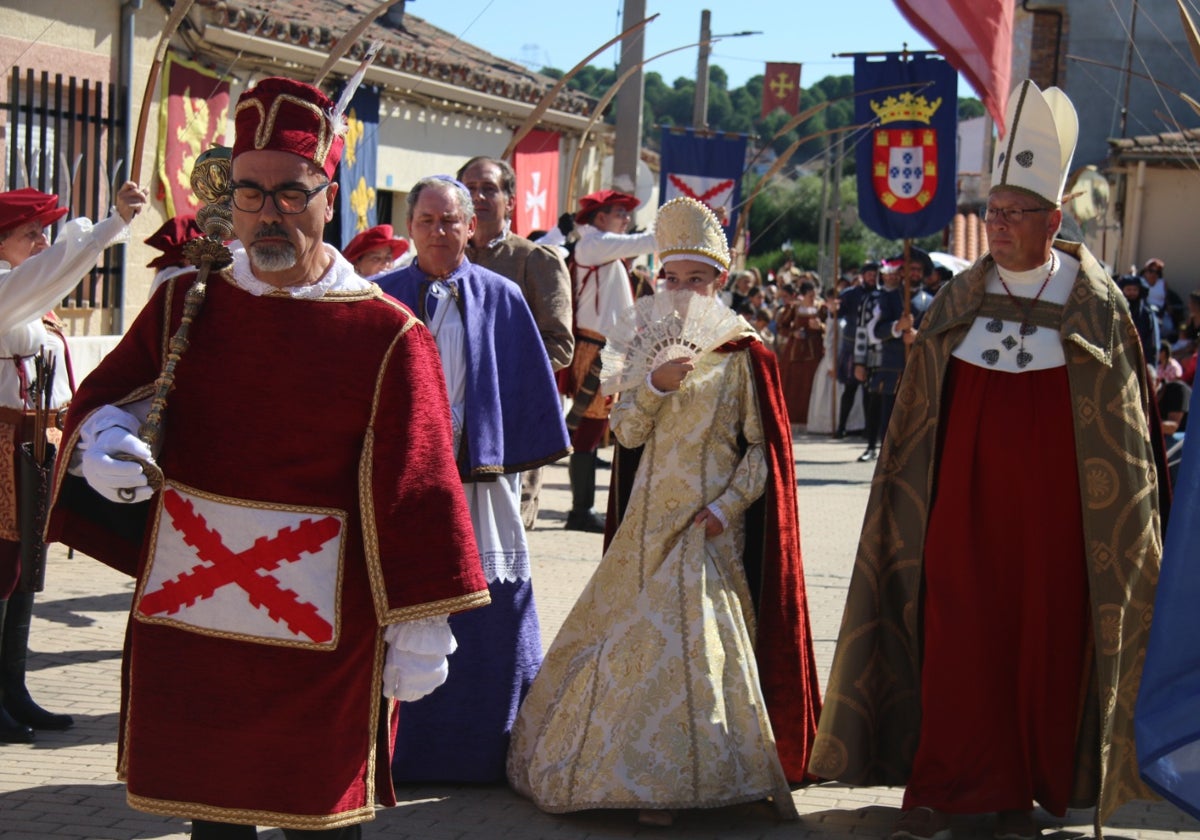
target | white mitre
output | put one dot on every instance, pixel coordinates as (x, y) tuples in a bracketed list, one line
[(1035, 157)]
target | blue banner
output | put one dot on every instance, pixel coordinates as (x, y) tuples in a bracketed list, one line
[(907, 166), (1167, 720), (707, 167), (356, 177)]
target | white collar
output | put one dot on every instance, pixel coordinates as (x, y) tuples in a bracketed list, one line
[(339, 277)]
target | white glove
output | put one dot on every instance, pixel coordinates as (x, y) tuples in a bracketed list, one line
[(100, 439), (416, 657)]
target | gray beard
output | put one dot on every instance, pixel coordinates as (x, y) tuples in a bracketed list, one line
[(272, 257)]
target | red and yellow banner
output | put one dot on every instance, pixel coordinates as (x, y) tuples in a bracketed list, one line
[(781, 88), (192, 116)]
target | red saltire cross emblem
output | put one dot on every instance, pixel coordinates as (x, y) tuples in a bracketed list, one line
[(716, 189), (226, 566)]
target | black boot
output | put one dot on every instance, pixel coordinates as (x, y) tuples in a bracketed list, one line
[(581, 467), (14, 651), (11, 731)]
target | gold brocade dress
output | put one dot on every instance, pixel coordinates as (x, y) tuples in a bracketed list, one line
[(649, 696)]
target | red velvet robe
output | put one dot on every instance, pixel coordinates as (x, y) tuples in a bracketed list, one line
[(783, 647), (335, 408)]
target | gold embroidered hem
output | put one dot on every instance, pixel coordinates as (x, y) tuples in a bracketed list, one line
[(650, 695), (240, 816)]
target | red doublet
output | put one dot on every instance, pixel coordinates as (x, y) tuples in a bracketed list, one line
[(328, 412)]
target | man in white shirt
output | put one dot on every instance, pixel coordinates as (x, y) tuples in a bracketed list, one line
[(34, 276), (602, 292)]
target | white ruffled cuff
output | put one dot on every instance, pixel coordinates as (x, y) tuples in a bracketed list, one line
[(416, 657)]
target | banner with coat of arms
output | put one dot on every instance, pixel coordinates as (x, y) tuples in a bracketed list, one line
[(705, 166), (535, 163), (356, 172), (193, 112), (907, 178)]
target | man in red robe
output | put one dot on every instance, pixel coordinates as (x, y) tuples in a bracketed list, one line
[(311, 535)]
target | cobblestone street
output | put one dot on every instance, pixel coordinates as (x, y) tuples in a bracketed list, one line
[(64, 786)]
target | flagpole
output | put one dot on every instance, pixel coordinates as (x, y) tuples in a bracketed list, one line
[(907, 286)]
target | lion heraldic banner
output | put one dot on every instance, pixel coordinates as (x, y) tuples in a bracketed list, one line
[(907, 179)]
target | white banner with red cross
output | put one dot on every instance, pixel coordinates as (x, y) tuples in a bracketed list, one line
[(258, 571)]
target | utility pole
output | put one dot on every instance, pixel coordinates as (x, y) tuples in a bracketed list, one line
[(630, 103), (831, 277), (700, 107)]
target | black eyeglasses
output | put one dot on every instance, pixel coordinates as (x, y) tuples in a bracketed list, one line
[(292, 200), (1012, 215)]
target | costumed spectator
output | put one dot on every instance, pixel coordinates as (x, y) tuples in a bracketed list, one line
[(170, 238), (883, 331), (602, 293), (310, 534), (804, 324), (1145, 318), (675, 682), (538, 270), (762, 325), (1168, 368), (1157, 293), (506, 417), (937, 278), (739, 290), (850, 304), (375, 250), (1185, 349), (1173, 400), (825, 400), (34, 276), (992, 641)]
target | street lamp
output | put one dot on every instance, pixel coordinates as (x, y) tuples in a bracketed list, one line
[(700, 105)]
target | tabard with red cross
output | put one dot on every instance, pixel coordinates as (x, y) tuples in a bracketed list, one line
[(258, 572)]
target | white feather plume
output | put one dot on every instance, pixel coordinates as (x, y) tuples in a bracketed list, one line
[(338, 117)]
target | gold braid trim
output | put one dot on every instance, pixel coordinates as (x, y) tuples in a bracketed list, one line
[(243, 816)]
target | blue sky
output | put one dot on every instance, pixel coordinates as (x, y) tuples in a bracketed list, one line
[(559, 33)]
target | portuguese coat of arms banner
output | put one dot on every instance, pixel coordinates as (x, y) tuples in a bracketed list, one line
[(907, 178)]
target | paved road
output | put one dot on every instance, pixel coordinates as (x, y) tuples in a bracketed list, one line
[(64, 785)]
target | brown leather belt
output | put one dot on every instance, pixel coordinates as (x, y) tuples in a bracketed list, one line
[(23, 420)]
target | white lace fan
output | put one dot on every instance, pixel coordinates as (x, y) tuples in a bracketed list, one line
[(662, 327)]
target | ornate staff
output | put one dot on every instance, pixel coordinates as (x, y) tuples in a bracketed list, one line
[(210, 182)]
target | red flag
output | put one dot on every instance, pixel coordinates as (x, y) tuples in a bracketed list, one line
[(975, 36), (535, 161), (192, 117), (781, 88)]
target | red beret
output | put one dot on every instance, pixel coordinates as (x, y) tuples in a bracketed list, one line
[(380, 236), (28, 205), (592, 204), (284, 115), (170, 239)]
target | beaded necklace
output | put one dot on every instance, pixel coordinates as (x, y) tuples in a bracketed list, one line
[(1027, 328)]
